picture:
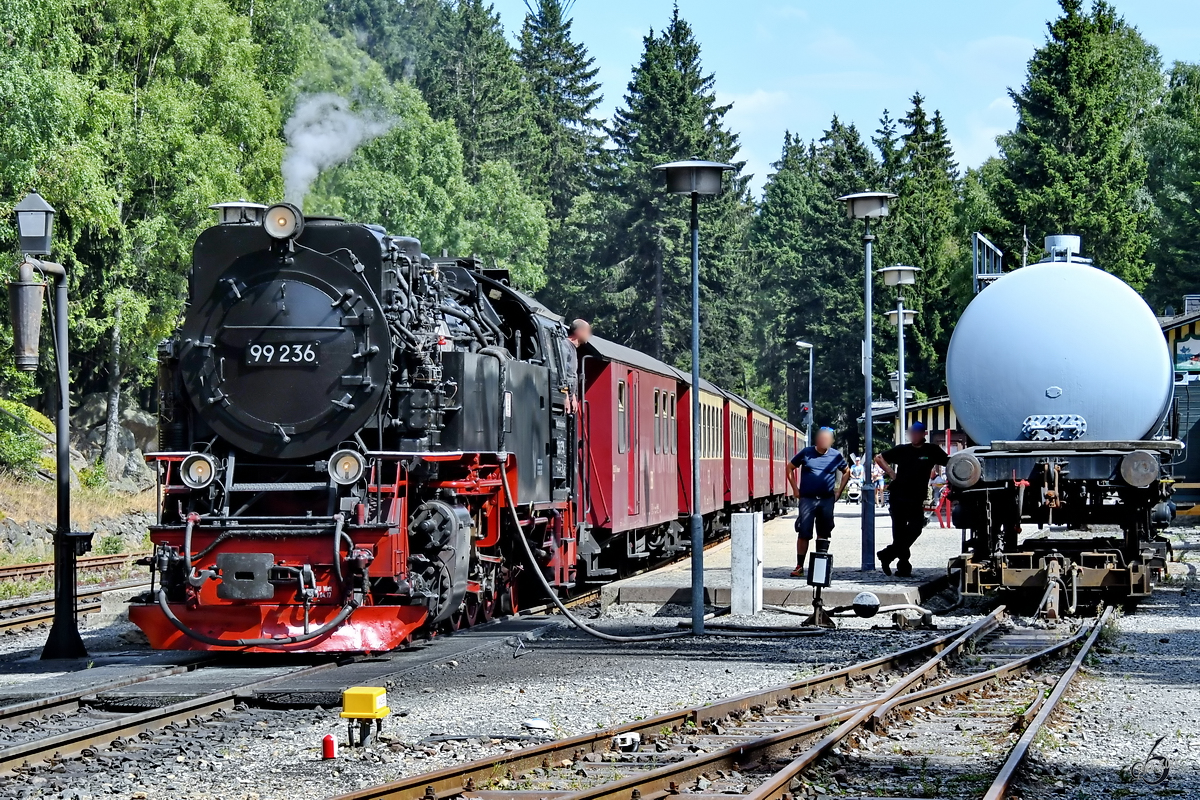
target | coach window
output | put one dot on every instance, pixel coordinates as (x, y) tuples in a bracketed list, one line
[(657, 425), (673, 431), (622, 419)]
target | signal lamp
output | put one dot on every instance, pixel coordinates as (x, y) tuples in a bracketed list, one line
[(283, 221), (346, 467), (198, 470)]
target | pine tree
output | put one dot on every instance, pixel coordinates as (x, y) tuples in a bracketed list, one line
[(474, 79), (1074, 163), (562, 78), (632, 273), (924, 232), (1173, 142), (813, 283)]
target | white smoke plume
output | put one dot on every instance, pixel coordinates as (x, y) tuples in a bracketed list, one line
[(323, 131)]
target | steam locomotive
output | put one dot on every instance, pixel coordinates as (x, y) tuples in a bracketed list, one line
[(353, 437)]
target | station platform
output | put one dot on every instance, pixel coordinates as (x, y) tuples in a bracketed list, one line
[(930, 555)]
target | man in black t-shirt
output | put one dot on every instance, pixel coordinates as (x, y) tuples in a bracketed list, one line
[(909, 466)]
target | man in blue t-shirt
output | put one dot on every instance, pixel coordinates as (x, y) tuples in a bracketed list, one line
[(820, 467)]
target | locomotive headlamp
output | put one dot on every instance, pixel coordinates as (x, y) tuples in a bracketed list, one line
[(198, 470), (346, 467), (283, 221)]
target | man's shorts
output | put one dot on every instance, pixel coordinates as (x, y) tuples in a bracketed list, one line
[(815, 512)]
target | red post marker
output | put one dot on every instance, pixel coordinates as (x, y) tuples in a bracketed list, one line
[(329, 746)]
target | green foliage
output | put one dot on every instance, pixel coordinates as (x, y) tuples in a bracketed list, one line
[(94, 476), (562, 79), (20, 444), (411, 180), (923, 232), (626, 247), (473, 79), (1075, 162), (110, 545), (1173, 144), (813, 276)]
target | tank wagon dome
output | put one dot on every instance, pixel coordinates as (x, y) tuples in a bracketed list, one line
[(1059, 349)]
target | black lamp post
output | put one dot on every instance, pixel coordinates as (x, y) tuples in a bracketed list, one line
[(808, 421), (867, 206), (695, 178), (35, 227)]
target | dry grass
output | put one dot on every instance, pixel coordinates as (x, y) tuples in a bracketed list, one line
[(23, 501)]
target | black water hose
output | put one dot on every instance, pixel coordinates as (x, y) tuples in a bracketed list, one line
[(269, 641), (537, 570)]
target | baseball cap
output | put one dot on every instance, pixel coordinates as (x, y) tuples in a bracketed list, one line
[(917, 426)]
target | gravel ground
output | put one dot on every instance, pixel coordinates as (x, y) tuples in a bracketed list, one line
[(1142, 685), (573, 682)]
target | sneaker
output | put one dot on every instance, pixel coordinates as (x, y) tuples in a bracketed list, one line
[(904, 570), (885, 563), (798, 572)]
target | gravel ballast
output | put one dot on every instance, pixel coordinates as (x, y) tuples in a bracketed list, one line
[(572, 682)]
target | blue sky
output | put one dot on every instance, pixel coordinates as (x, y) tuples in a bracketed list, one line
[(793, 65)]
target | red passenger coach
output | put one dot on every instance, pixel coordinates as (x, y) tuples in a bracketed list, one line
[(737, 453), (760, 453), (630, 450), (711, 449)]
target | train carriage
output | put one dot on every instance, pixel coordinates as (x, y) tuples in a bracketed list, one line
[(630, 447), (737, 453)]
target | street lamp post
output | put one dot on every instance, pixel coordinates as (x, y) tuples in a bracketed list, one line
[(900, 276), (867, 206), (809, 421), (35, 223), (695, 178)]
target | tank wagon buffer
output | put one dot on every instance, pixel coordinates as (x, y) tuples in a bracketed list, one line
[(1061, 372), (338, 440)]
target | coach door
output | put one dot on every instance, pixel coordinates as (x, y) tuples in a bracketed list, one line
[(633, 449)]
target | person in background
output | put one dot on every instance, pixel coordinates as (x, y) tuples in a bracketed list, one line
[(910, 467), (856, 469), (877, 479), (820, 467), (577, 335), (941, 498)]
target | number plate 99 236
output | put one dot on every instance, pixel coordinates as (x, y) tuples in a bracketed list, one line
[(282, 354)]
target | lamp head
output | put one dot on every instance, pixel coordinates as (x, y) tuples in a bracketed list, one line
[(694, 176), (899, 275), (867, 205), (35, 224)]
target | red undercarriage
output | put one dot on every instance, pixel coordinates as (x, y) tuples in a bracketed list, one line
[(384, 621), (369, 629)]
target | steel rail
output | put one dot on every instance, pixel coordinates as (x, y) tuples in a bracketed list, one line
[(69, 702), (454, 781), (14, 572), (1004, 779), (663, 781), (39, 610), (101, 734)]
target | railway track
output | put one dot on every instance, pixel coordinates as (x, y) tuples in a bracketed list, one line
[(32, 612), (763, 744), (45, 569), (65, 726)]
